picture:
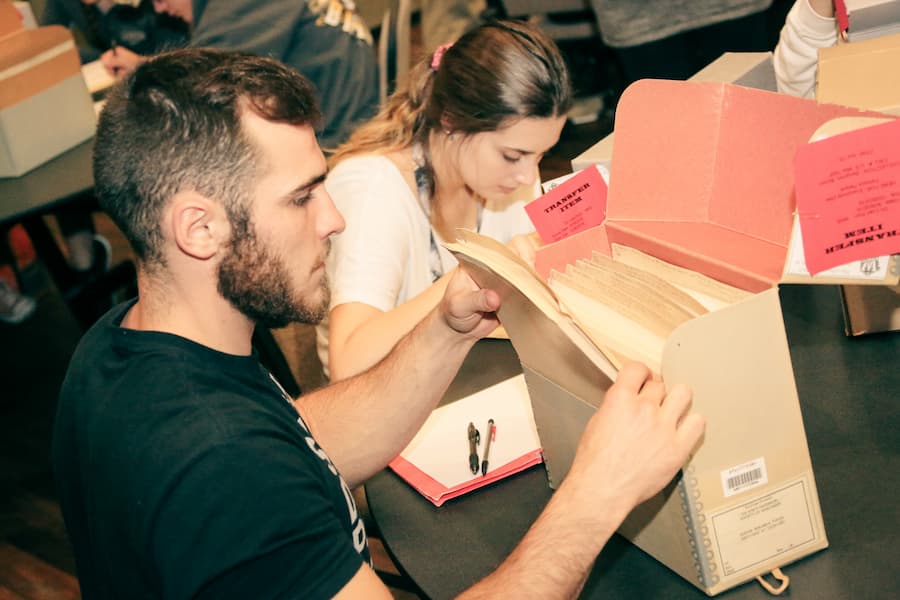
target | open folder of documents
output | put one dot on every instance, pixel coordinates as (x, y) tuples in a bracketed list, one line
[(436, 461), (710, 213)]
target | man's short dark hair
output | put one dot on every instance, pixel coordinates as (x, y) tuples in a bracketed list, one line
[(175, 124)]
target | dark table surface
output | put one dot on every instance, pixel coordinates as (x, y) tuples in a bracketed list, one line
[(48, 186), (848, 389), (64, 183)]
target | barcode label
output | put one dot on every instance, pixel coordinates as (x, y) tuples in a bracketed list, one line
[(744, 477)]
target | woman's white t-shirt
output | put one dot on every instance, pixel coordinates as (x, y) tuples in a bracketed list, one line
[(382, 256)]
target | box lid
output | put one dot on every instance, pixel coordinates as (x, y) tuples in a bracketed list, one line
[(704, 177), (32, 60)]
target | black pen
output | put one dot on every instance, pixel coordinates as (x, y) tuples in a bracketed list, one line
[(114, 46), (491, 434), (474, 438)]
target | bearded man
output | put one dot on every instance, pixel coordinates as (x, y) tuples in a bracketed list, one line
[(183, 469)]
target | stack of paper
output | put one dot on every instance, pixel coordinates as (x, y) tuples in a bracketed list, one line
[(436, 461), (96, 77)]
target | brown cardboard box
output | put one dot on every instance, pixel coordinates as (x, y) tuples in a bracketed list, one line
[(869, 309), (716, 198), (861, 74), (45, 107), (10, 19)]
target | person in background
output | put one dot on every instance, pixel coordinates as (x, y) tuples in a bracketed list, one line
[(673, 39), (457, 147), (102, 24), (15, 250), (15, 306), (182, 467), (326, 40), (444, 21), (810, 25), (127, 25)]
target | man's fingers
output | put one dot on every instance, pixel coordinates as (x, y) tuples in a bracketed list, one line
[(474, 305), (677, 402), (485, 300), (654, 390), (689, 432), (632, 376), (467, 306)]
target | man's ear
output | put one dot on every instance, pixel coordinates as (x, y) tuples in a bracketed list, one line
[(199, 226)]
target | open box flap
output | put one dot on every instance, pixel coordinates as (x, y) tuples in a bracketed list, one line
[(711, 153)]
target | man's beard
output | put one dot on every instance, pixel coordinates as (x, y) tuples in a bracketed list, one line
[(257, 283)]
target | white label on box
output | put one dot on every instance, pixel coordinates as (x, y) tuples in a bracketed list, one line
[(760, 530), (552, 183), (744, 477)]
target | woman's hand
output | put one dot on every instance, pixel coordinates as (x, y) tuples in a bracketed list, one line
[(121, 61), (525, 246)]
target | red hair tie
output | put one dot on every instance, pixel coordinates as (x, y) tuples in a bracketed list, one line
[(438, 55)]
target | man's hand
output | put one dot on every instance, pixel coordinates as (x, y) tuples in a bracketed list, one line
[(636, 442), (467, 308), (632, 446), (121, 61)]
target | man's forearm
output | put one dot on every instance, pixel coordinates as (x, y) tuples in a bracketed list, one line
[(364, 422), (556, 555), (370, 341), (631, 447)]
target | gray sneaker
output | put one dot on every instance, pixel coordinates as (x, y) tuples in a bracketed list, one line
[(14, 306), (102, 255)]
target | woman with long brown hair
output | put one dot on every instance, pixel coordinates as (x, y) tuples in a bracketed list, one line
[(457, 147)]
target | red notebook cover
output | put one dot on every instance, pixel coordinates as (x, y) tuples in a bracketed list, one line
[(436, 461)]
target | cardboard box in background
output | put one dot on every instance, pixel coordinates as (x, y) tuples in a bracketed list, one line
[(11, 20), (749, 69), (861, 74), (45, 107), (870, 309), (867, 19)]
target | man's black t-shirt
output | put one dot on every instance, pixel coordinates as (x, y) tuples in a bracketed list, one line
[(185, 472)]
